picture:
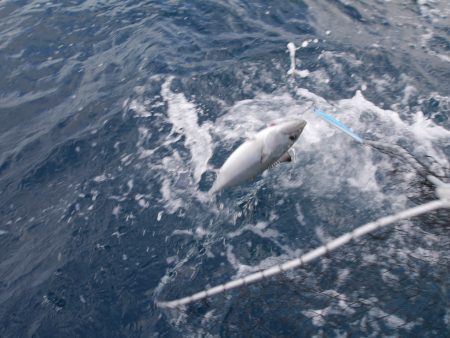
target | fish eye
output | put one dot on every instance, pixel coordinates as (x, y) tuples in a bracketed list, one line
[(292, 137)]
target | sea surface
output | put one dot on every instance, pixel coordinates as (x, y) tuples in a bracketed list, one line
[(115, 116)]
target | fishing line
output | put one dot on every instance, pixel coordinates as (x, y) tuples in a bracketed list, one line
[(442, 191)]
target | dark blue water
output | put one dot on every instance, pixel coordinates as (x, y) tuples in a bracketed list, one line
[(114, 115)]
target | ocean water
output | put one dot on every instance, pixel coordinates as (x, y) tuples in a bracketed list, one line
[(114, 116)]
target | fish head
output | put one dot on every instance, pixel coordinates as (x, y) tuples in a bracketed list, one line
[(291, 130), (278, 138)]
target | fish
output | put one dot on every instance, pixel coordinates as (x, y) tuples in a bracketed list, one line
[(267, 148)]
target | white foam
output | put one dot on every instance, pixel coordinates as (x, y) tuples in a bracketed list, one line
[(428, 10), (291, 48), (183, 116), (327, 160), (262, 230), (365, 178), (292, 70), (159, 216), (387, 124), (139, 109), (318, 316), (172, 203), (303, 73), (100, 178), (390, 320), (180, 175), (116, 211)]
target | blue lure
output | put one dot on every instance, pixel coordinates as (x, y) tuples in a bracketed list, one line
[(338, 124)]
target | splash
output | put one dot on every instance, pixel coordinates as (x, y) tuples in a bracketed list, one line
[(184, 118), (292, 70)]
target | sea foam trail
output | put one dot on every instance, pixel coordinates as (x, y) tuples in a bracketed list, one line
[(183, 116)]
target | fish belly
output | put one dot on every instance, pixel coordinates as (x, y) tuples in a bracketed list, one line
[(242, 165)]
